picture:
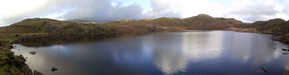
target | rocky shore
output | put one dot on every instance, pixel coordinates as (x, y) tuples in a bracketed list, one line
[(11, 64)]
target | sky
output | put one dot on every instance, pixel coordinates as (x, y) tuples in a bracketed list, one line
[(110, 10)]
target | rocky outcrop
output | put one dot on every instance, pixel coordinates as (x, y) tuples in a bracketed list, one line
[(11, 64)]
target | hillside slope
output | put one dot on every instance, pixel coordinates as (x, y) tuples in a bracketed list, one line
[(48, 30), (39, 31), (278, 27)]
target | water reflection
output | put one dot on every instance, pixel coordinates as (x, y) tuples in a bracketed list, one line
[(203, 46), (189, 47), (183, 53)]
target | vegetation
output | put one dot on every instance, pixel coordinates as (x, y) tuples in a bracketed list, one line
[(48, 31), (278, 27), (10, 64), (39, 31)]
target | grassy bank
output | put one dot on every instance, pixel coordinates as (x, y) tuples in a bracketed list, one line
[(11, 64), (39, 32), (277, 27)]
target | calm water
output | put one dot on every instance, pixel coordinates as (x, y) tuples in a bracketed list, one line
[(181, 53)]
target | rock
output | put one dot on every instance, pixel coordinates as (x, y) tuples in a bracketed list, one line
[(264, 69), (32, 53), (285, 53), (53, 69), (283, 49), (36, 73), (25, 71), (10, 47), (16, 35)]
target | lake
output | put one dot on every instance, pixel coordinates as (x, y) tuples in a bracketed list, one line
[(174, 53)]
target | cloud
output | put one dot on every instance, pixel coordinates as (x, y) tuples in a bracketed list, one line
[(188, 8), (91, 10), (99, 10), (13, 10), (254, 10), (110, 10), (244, 10)]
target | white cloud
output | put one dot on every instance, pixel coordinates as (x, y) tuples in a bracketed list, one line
[(17, 9), (244, 10), (254, 10), (188, 8), (107, 10), (93, 10)]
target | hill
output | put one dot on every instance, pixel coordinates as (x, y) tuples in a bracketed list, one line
[(54, 31), (42, 31), (278, 27)]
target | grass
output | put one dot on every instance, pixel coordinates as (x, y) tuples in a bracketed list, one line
[(3, 70), (10, 64), (277, 27), (39, 32)]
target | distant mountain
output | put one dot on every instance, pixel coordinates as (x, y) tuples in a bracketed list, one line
[(42, 31), (204, 19), (201, 21), (277, 27), (90, 20)]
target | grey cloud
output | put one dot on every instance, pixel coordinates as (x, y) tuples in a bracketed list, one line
[(91, 10), (105, 10), (97, 10), (160, 9), (286, 10)]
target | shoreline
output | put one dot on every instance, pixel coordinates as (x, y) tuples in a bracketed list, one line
[(25, 70), (43, 32), (12, 65)]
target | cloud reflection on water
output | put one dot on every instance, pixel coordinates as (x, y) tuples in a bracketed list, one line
[(169, 53)]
